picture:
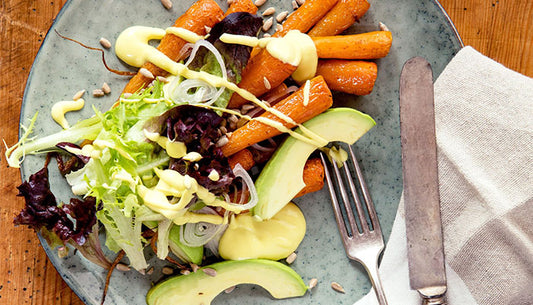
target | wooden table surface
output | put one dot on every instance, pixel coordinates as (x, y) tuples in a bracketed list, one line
[(502, 30)]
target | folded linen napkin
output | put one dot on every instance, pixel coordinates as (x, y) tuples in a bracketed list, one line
[(484, 126)]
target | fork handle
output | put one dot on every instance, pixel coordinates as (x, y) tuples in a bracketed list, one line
[(376, 283)]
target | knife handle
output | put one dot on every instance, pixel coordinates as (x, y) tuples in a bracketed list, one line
[(435, 300)]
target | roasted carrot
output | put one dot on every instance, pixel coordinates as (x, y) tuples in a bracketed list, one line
[(306, 16), (244, 157), (201, 14), (350, 76), (340, 17), (275, 94), (241, 6), (292, 106), (369, 45), (313, 176), (262, 72)]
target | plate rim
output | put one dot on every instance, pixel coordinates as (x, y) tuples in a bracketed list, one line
[(43, 243)]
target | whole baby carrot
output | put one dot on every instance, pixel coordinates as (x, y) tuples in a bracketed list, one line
[(340, 17), (369, 45), (350, 76), (262, 73), (306, 16), (201, 14), (293, 106)]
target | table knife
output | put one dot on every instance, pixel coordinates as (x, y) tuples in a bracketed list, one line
[(420, 182)]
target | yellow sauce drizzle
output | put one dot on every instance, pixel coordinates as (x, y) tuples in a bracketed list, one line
[(175, 149), (214, 175), (61, 108), (294, 48), (133, 48), (185, 34)]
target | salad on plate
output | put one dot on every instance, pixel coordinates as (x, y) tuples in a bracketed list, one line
[(201, 155)]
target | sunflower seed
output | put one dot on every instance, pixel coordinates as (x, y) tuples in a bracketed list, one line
[(78, 95), (279, 27), (300, 2), (312, 283), (268, 24), (167, 270), (185, 272), (222, 141), (269, 11), (233, 118), (167, 4), (290, 259), (146, 73), (337, 287), (207, 29), (105, 43), (98, 93), (383, 27), (194, 267), (267, 83), (241, 122), (230, 2), (267, 35), (106, 88), (281, 16), (150, 271), (123, 267), (247, 107), (258, 3), (294, 5), (162, 79), (210, 271)]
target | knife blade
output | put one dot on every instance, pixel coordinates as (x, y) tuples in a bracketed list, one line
[(420, 181)]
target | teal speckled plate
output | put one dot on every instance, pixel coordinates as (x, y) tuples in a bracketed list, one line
[(419, 27)]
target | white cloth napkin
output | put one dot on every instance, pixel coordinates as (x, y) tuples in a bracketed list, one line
[(484, 124)]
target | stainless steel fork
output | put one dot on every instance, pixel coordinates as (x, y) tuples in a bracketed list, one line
[(365, 244)]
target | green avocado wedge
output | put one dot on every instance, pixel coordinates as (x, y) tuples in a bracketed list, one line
[(200, 288), (282, 178)]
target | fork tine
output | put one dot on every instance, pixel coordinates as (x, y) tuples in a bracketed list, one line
[(357, 201), (345, 199), (366, 195), (334, 201)]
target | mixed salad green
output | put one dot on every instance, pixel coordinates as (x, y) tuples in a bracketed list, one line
[(117, 164)]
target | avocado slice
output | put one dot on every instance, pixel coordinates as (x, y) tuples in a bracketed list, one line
[(282, 177), (200, 288), (184, 253)]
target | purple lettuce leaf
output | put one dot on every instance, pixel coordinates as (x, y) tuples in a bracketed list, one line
[(198, 128), (73, 223), (235, 56)]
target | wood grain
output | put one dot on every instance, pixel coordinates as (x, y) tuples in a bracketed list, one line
[(501, 30)]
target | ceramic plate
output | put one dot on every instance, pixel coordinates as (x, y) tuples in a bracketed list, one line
[(419, 27)]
